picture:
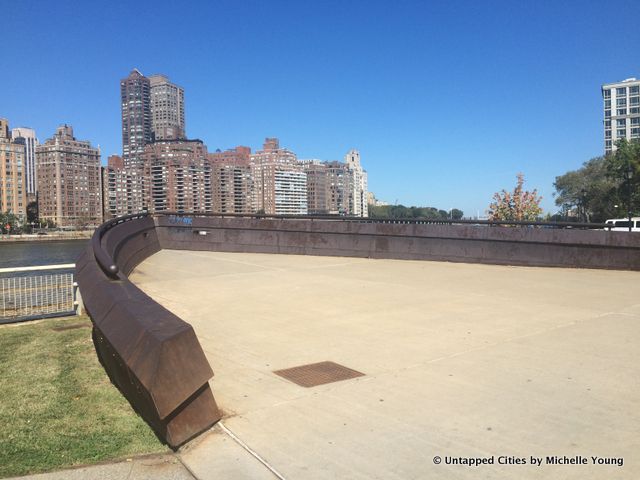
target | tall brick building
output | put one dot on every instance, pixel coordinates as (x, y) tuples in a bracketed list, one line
[(279, 181), (123, 188), (329, 187), (232, 181), (177, 176), (13, 187), (68, 179)]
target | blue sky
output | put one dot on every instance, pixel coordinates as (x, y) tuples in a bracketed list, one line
[(446, 101)]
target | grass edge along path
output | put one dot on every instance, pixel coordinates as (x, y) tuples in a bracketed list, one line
[(57, 405)]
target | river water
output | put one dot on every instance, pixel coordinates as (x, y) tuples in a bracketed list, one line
[(26, 254)]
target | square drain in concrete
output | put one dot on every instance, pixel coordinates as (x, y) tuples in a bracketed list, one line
[(318, 374)]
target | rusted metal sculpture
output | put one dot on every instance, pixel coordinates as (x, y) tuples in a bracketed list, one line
[(152, 355)]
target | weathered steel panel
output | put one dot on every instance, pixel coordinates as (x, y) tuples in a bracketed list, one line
[(150, 354)]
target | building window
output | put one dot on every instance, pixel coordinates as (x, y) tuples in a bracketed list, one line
[(621, 111), (621, 102), (621, 91), (634, 90), (606, 93), (621, 122), (634, 111), (607, 123), (607, 104), (622, 133), (607, 113), (635, 121), (634, 101)]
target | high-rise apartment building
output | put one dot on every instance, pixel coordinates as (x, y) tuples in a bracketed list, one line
[(30, 142), (68, 176), (167, 109), (123, 188), (152, 109), (13, 189), (290, 188), (279, 181), (359, 206), (136, 117), (177, 176), (317, 186), (328, 187), (621, 112), (232, 181)]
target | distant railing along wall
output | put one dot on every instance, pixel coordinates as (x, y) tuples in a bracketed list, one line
[(27, 294)]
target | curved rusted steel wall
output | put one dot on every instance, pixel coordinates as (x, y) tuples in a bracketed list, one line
[(151, 354), (155, 358)]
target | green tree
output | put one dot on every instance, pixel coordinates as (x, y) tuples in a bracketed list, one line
[(623, 168), (32, 212), (600, 188), (590, 190), (9, 223), (519, 205), (456, 214)]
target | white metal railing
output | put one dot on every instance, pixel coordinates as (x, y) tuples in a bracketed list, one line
[(30, 296)]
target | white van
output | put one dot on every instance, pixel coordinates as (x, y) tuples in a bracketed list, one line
[(622, 224)]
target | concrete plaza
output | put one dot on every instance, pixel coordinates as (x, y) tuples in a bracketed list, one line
[(460, 361)]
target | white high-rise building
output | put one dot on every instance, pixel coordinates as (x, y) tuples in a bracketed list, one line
[(30, 143), (167, 109), (290, 189), (359, 196), (621, 112)]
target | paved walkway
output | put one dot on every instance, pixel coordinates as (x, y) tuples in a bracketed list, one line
[(461, 362), (153, 467)]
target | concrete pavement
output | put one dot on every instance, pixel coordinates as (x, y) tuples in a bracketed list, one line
[(503, 364), (150, 467)]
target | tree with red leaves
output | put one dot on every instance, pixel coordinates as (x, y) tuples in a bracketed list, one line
[(519, 205)]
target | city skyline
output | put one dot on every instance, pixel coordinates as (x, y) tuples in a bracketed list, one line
[(445, 103)]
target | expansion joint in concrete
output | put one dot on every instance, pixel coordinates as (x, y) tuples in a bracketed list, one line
[(251, 452)]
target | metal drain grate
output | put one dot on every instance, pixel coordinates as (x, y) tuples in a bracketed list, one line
[(318, 374)]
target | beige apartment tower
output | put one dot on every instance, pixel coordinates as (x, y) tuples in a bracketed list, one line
[(68, 178), (13, 188), (167, 109), (359, 194)]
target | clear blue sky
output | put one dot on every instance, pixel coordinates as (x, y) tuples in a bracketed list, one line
[(446, 101)]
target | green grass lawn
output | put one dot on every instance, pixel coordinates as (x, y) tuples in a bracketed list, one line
[(57, 405)]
